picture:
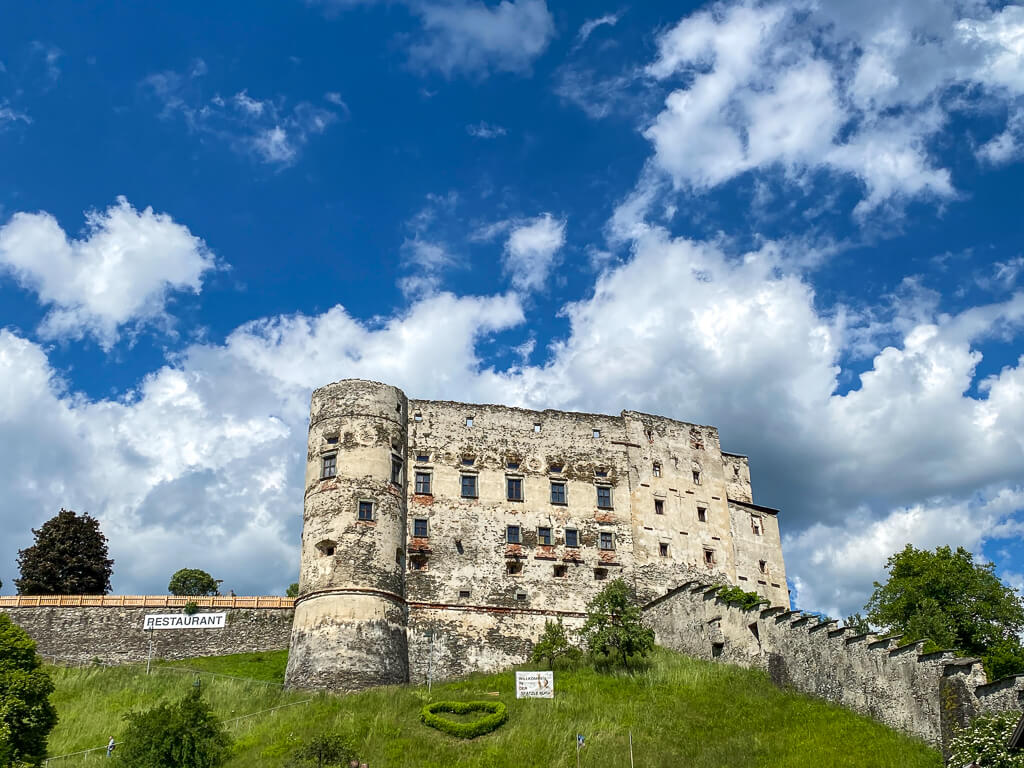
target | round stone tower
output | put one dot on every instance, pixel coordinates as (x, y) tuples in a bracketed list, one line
[(350, 617)]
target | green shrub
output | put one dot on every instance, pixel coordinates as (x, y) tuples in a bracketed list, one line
[(323, 750), (26, 714), (498, 714), (191, 608), (741, 598), (553, 645), (984, 742), (182, 735)]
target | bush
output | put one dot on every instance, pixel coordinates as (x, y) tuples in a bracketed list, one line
[(26, 714), (739, 597), (324, 750), (498, 714), (984, 743), (553, 645), (190, 608), (615, 625), (182, 735)]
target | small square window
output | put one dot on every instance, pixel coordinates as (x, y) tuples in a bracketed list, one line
[(702, 514), (536, 427), (396, 470), (659, 506), (513, 568), (600, 574), (419, 528), (467, 461), (513, 534), (423, 458), (604, 497), (696, 477), (558, 493), (597, 433), (332, 440), (418, 417), (560, 571), (520, 596), (663, 549), (469, 421), (366, 510), (463, 594), (512, 464), (572, 537), (329, 468), (544, 535), (515, 488), (607, 540), (469, 486), (423, 482), (657, 469), (417, 563)]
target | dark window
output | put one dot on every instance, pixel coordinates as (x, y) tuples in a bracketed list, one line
[(657, 469), (544, 535), (467, 461), (400, 557), (659, 507), (513, 568), (762, 566), (332, 440), (515, 488), (463, 593), (520, 596), (755, 524), (600, 574), (418, 417), (512, 464), (663, 549), (419, 527), (709, 557), (423, 457), (396, 470), (560, 571), (696, 477), (330, 466), (512, 535), (572, 537), (702, 514), (601, 472), (329, 550), (469, 486), (604, 497), (422, 482), (418, 564), (556, 469), (366, 510), (607, 540), (558, 493)]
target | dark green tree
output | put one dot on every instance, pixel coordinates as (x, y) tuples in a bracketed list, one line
[(326, 749), (26, 714), (553, 645), (293, 590), (857, 623), (69, 557), (192, 581), (947, 598), (614, 624), (185, 734)]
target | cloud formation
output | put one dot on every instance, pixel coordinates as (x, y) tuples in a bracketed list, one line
[(531, 249)]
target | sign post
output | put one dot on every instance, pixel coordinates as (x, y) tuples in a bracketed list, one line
[(149, 656), (535, 685)]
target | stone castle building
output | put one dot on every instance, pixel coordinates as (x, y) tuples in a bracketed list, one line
[(438, 536)]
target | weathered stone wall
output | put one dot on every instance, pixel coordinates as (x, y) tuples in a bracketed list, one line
[(924, 695), (115, 635)]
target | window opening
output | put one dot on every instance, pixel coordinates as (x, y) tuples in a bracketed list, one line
[(601, 473), (558, 493), (417, 563), (458, 546), (696, 477), (396, 470), (560, 571), (536, 427), (332, 440), (423, 457), (702, 514), (659, 507), (544, 535), (657, 469), (520, 596), (572, 537), (469, 486), (514, 487), (607, 540), (467, 461), (366, 510), (463, 593), (755, 524), (423, 482), (399, 556), (597, 433), (709, 557), (513, 568), (330, 466), (512, 534), (418, 417), (556, 469), (469, 421), (663, 549), (762, 565), (419, 527), (600, 574), (512, 464), (326, 547), (604, 497)]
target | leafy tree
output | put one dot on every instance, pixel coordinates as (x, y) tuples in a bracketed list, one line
[(553, 644), (945, 597), (182, 735), (69, 557), (615, 624), (857, 623), (192, 581), (26, 714), (293, 590), (740, 597), (327, 749)]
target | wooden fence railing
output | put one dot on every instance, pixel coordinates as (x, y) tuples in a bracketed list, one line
[(142, 601)]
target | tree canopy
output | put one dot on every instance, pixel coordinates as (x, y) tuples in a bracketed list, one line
[(947, 598), (69, 557), (614, 624), (192, 581), (26, 714), (185, 734)]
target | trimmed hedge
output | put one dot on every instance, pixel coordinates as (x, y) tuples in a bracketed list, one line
[(497, 715)]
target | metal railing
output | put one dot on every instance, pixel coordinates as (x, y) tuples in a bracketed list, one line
[(143, 601)]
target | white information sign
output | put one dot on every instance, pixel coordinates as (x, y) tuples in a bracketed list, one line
[(184, 621), (535, 685)]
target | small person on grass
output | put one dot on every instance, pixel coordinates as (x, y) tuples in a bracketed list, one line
[(110, 746)]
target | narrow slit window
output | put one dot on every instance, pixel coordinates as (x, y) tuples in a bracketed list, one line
[(696, 477), (419, 528), (762, 566), (329, 467), (558, 493), (663, 549), (544, 535), (469, 486), (513, 534), (514, 486), (659, 506), (657, 469), (423, 482), (463, 594)]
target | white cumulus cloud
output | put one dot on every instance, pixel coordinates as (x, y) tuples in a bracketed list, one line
[(531, 249)]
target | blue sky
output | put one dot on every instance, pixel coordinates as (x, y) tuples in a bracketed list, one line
[(798, 221)]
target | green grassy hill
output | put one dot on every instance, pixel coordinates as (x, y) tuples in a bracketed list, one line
[(683, 714)]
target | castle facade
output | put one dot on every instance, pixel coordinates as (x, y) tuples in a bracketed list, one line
[(438, 537)]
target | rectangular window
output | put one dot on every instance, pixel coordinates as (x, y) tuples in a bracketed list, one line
[(572, 537), (607, 540), (597, 433), (520, 596), (332, 440), (600, 473), (600, 574), (463, 593), (709, 557), (536, 427), (657, 469), (467, 461), (469, 486), (659, 507), (604, 497), (419, 528), (513, 568), (417, 564), (512, 534), (330, 466), (702, 514), (762, 566), (556, 469), (396, 470), (663, 549), (423, 457), (418, 417), (512, 464), (755, 524), (544, 535), (558, 493), (514, 486), (560, 571), (469, 421), (696, 477), (366, 510), (422, 482)]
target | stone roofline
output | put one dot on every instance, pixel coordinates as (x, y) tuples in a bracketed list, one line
[(751, 505)]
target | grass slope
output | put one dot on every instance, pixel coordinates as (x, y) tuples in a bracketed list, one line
[(682, 712)]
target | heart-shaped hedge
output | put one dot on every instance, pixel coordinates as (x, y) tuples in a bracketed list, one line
[(496, 715)]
